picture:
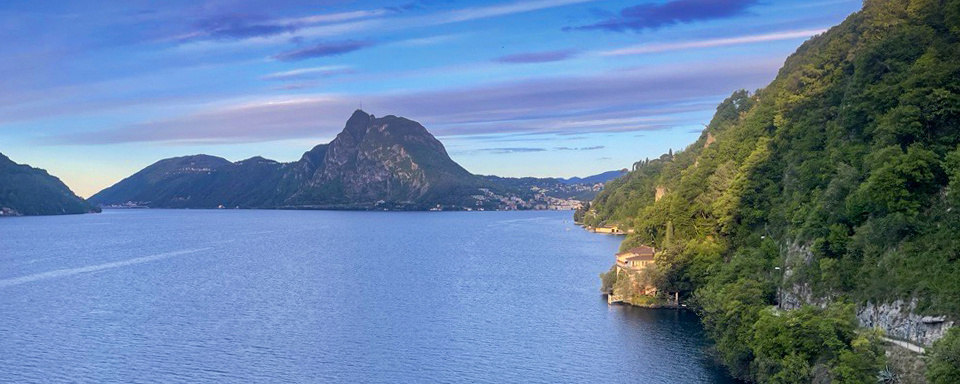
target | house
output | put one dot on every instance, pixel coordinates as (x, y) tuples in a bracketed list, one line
[(636, 258), (613, 230)]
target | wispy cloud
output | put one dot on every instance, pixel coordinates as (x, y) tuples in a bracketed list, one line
[(537, 57), (231, 26), (641, 99), (468, 14), (433, 19), (259, 120), (656, 15), (334, 17), (431, 40), (411, 6), (309, 73), (593, 148), (711, 43), (511, 150), (323, 50), (242, 26)]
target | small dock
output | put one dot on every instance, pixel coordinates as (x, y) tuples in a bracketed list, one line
[(614, 299)]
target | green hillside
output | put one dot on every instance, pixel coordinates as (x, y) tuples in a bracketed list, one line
[(837, 181), (29, 191)]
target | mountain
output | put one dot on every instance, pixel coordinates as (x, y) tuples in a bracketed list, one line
[(390, 159), (595, 179), (30, 191), (199, 181), (818, 208), (374, 163)]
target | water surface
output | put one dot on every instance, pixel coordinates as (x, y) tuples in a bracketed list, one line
[(319, 296)]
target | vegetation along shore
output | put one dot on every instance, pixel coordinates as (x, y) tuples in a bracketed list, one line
[(817, 217)]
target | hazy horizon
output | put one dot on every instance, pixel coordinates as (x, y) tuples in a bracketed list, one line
[(545, 88)]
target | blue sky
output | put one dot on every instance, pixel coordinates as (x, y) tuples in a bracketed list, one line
[(93, 91)]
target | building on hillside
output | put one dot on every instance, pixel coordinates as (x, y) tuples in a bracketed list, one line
[(613, 230), (637, 260)]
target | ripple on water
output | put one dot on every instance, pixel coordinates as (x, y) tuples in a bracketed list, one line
[(283, 296)]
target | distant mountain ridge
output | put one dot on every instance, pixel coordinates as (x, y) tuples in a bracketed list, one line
[(30, 191), (601, 178), (373, 163)]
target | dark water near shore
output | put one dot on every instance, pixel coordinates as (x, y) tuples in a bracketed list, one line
[(311, 296)]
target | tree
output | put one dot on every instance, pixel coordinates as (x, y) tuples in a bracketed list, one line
[(943, 361)]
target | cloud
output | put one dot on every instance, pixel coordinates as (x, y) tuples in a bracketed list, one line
[(468, 14), (239, 121), (430, 40), (593, 148), (280, 31), (244, 26), (232, 26), (309, 73), (323, 50), (511, 150), (656, 15), (537, 57), (412, 6), (621, 100), (711, 43), (334, 17)]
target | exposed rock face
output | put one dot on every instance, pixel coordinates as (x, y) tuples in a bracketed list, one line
[(370, 160), (390, 159), (899, 320), (661, 191)]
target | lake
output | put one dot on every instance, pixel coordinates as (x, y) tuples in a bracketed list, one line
[(324, 296)]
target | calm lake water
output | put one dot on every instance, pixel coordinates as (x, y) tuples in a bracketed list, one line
[(317, 296)]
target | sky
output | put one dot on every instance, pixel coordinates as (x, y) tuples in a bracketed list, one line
[(94, 91)]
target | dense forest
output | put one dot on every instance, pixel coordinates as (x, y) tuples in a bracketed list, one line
[(838, 180), (25, 190)]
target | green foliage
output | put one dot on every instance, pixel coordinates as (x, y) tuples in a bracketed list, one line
[(943, 362), (846, 169), (787, 344), (31, 191), (608, 279)]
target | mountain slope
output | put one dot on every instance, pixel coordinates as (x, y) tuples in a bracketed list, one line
[(389, 159), (831, 191), (374, 163), (595, 179), (30, 191)]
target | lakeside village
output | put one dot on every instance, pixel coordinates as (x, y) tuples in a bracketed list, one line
[(542, 199), (632, 279)]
